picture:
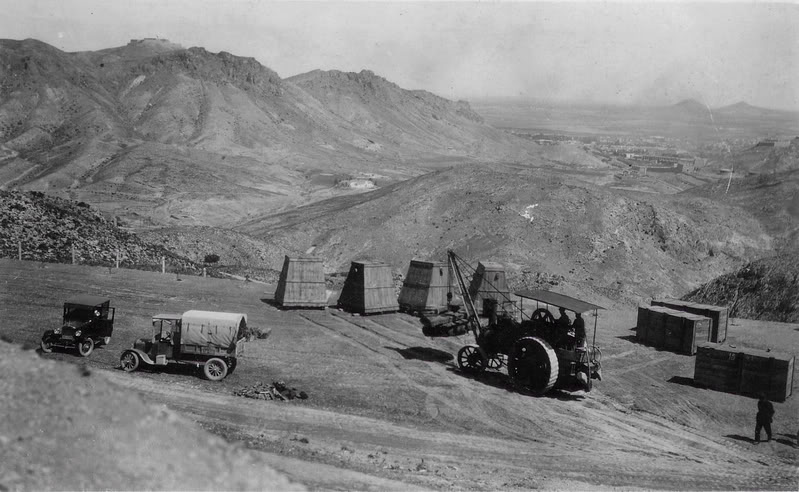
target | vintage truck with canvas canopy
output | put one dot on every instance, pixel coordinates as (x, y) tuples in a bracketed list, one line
[(209, 340), (87, 321)]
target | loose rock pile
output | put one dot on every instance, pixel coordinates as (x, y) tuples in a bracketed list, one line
[(275, 391)]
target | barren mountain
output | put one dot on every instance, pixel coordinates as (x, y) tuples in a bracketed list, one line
[(152, 125), (544, 226)]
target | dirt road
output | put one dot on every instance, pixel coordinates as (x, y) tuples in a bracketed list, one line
[(388, 409)]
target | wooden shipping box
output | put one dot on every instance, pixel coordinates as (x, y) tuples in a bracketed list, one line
[(425, 287), (744, 371), (671, 329), (369, 289), (302, 283), (717, 314), (489, 282)]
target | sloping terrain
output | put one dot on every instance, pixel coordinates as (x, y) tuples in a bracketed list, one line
[(154, 126), (68, 427), (766, 289), (387, 408), (595, 240), (50, 228)]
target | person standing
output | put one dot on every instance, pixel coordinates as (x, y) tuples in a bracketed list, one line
[(765, 414), (579, 330)]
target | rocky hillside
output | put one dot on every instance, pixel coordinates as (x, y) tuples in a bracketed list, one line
[(542, 225), (766, 289), (114, 128), (50, 227)]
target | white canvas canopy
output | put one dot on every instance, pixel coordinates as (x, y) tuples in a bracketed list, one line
[(212, 328)]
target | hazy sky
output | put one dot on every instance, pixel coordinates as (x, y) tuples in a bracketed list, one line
[(653, 53)]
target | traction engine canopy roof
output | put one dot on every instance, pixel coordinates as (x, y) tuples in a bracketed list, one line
[(558, 300)]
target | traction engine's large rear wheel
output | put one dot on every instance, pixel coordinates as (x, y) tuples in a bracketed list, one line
[(471, 359), (533, 365)]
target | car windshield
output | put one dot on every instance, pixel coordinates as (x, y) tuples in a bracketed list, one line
[(78, 313)]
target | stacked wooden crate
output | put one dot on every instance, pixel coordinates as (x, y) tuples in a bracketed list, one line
[(718, 315), (744, 371), (425, 287), (302, 283), (670, 329)]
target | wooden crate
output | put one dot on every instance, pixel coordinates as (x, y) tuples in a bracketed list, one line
[(369, 289), (717, 314), (425, 287), (489, 282), (302, 283), (671, 329), (744, 371)]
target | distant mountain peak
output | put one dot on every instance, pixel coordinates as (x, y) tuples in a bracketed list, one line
[(692, 104)]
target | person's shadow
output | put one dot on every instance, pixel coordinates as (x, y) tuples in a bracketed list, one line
[(741, 438)]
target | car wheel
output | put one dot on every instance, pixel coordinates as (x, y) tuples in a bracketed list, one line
[(47, 345), (129, 361), (86, 347), (215, 369)]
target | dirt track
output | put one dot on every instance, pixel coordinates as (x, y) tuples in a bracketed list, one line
[(388, 410)]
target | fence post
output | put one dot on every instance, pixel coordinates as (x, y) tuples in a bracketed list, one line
[(163, 264), (20, 251), (117, 257), (73, 253), (203, 272)]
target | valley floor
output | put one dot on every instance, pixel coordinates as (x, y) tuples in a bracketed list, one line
[(388, 409)]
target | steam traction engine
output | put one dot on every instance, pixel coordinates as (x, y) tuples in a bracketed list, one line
[(539, 354)]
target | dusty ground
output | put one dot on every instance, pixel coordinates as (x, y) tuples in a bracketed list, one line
[(388, 409)]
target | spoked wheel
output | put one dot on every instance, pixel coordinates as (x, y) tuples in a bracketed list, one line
[(129, 361), (533, 365), (85, 347), (47, 345), (215, 369), (495, 362), (543, 315), (471, 359)]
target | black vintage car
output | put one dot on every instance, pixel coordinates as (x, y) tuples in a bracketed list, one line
[(87, 321)]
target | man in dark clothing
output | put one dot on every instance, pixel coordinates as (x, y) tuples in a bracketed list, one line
[(579, 329), (765, 414), (563, 322)]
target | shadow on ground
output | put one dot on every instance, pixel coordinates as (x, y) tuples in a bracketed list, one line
[(424, 353), (500, 380), (684, 381)]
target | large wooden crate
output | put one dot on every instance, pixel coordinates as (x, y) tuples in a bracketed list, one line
[(744, 371), (368, 289), (489, 282), (302, 283), (671, 329), (718, 315), (425, 287)]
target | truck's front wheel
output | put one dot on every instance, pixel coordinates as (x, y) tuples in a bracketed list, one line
[(129, 361), (215, 369)]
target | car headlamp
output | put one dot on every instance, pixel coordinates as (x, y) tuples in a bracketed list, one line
[(77, 333), (57, 331)]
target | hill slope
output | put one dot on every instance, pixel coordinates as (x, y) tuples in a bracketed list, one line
[(120, 125), (543, 226), (49, 228), (766, 289)]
